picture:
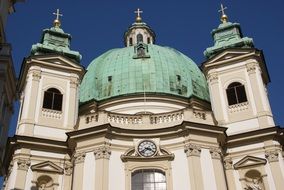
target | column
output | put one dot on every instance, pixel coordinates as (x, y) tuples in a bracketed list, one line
[(71, 103), (229, 170), (23, 166), (102, 155), (68, 168), (272, 157), (194, 166), (78, 174), (218, 168)]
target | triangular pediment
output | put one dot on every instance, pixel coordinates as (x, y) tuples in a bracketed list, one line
[(229, 55), (57, 60), (47, 167), (249, 161)]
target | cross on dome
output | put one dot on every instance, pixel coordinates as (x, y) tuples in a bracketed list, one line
[(224, 17), (57, 22), (138, 17)]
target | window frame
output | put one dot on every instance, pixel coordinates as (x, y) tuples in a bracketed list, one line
[(236, 93), (55, 102)]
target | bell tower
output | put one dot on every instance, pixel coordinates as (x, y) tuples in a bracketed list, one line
[(237, 77), (48, 86)]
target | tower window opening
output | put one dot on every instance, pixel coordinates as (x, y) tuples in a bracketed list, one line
[(52, 99), (148, 40), (139, 38), (130, 41), (178, 78), (148, 179), (236, 93), (109, 78)]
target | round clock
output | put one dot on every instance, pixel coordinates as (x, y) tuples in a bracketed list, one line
[(147, 148)]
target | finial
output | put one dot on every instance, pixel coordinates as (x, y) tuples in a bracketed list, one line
[(138, 17), (57, 22), (224, 17)]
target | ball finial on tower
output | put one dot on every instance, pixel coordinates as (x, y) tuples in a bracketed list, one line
[(57, 22), (138, 17), (224, 17)]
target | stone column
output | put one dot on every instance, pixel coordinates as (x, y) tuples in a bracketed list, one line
[(23, 167), (78, 174), (272, 157), (72, 106), (218, 168), (102, 155), (68, 168), (194, 166), (229, 170)]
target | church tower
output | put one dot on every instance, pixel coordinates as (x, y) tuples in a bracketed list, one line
[(237, 77), (49, 86)]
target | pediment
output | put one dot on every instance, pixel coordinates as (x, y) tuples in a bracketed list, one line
[(56, 60), (229, 55), (47, 166), (249, 161)]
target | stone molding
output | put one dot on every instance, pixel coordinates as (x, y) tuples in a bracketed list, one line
[(102, 152), (79, 157), (228, 163), (216, 153), (192, 150), (23, 164), (36, 75), (68, 168), (272, 156)]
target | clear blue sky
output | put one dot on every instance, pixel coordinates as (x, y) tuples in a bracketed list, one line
[(97, 26)]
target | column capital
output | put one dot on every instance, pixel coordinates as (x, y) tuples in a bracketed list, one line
[(272, 155), (23, 164), (74, 82), (36, 75), (228, 163), (68, 168), (102, 152), (79, 157), (213, 77), (251, 67), (192, 150), (216, 153)]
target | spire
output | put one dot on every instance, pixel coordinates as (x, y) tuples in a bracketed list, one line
[(138, 17), (55, 41), (224, 17), (227, 35), (57, 22)]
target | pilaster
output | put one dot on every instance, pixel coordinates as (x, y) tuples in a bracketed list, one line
[(193, 152), (272, 157), (23, 166), (229, 171), (79, 159), (68, 169), (216, 156), (102, 155)]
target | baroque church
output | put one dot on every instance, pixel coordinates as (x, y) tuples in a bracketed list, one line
[(145, 117)]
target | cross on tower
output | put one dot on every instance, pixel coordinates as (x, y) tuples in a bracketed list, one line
[(57, 14), (138, 12), (222, 9)]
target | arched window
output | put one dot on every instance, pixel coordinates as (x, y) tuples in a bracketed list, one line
[(149, 179), (139, 38), (52, 99), (130, 41), (236, 93), (44, 183)]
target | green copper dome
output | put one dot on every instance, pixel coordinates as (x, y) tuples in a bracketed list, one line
[(161, 70)]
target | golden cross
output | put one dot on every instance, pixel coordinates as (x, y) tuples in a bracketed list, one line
[(57, 14), (224, 17)]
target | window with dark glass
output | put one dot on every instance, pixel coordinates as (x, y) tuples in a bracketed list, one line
[(139, 38), (148, 40), (148, 180), (130, 41), (236, 93), (52, 99)]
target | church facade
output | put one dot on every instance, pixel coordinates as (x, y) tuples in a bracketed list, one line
[(145, 117)]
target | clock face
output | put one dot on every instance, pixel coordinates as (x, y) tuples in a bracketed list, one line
[(147, 148)]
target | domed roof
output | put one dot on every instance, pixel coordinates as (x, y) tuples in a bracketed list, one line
[(162, 70)]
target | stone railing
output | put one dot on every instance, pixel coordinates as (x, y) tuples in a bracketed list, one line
[(92, 118), (124, 119), (54, 114), (166, 118), (238, 107)]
